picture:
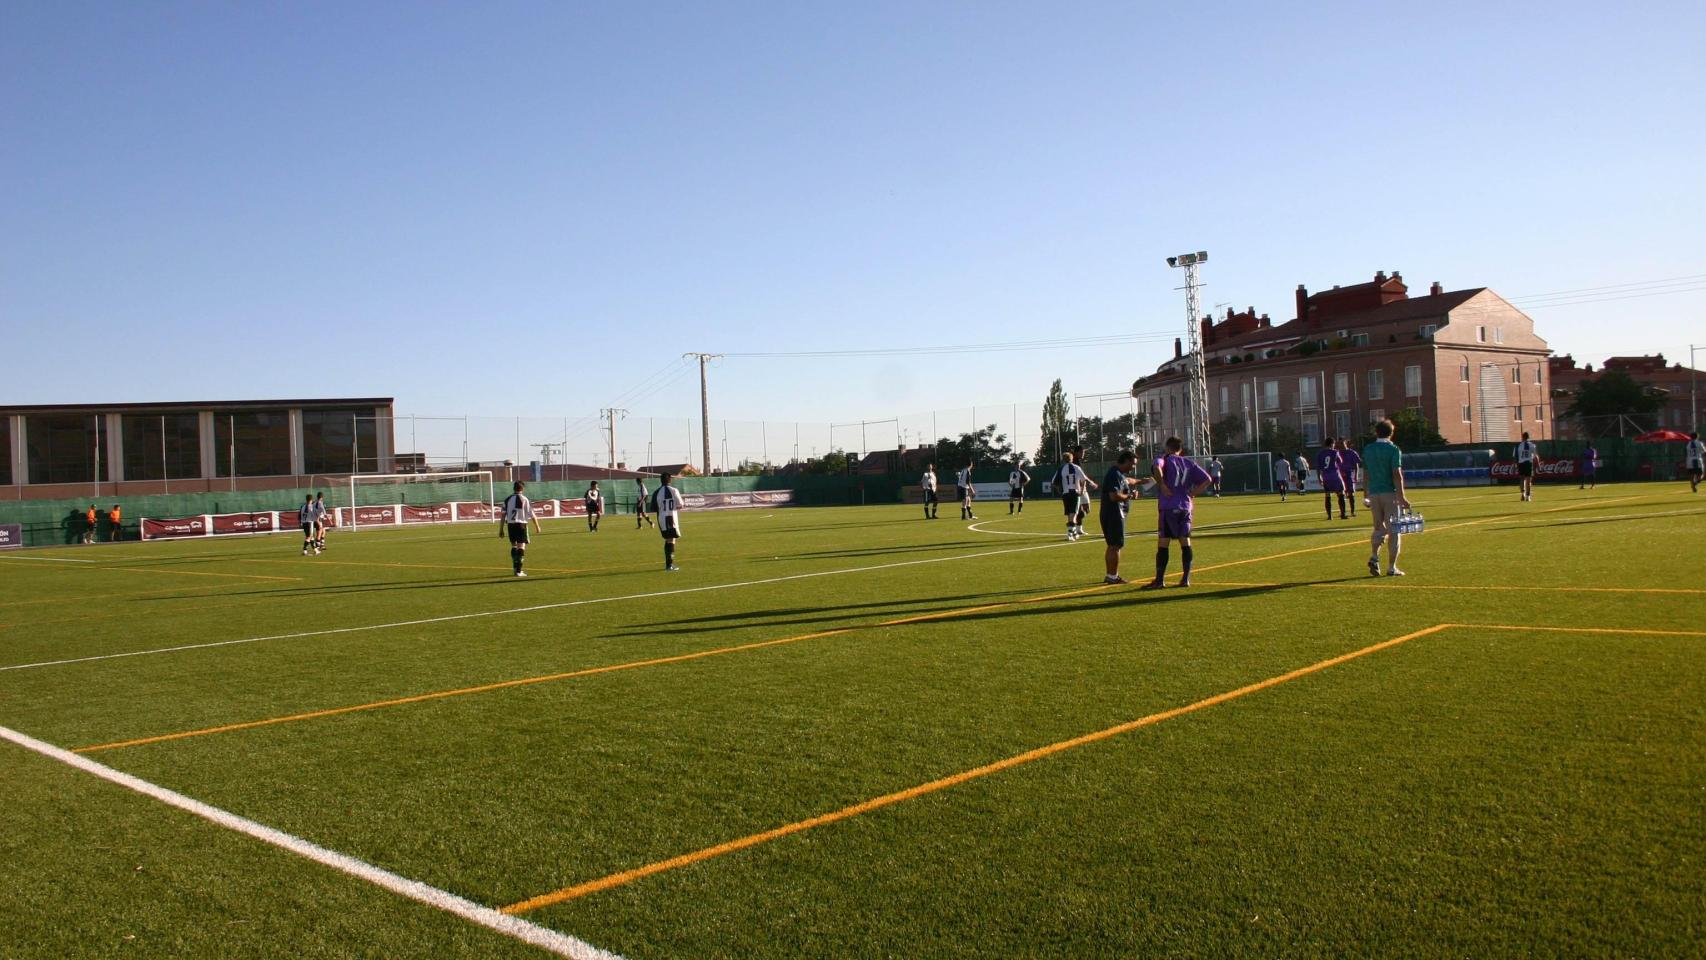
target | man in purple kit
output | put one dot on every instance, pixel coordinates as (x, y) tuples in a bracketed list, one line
[(1178, 479), (1349, 462), (1327, 465), (1590, 468)]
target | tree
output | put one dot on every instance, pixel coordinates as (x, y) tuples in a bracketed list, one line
[(1615, 393), (1228, 434), (1055, 413), (1281, 440), (830, 463), (1410, 429), (985, 448)]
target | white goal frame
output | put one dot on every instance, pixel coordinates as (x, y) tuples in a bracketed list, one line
[(464, 476)]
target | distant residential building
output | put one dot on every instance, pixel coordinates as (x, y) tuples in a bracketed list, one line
[(1468, 360), (1676, 383)]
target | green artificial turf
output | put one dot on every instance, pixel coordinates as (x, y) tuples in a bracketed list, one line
[(1474, 791)]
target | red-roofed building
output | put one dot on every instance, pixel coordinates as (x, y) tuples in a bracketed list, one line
[(1467, 359), (1676, 383)]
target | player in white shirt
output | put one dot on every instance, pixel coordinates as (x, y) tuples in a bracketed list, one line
[(1085, 485), (1696, 456), (966, 491), (1302, 466), (669, 505), (1016, 481), (929, 483), (320, 524), (594, 507), (1069, 481), (1282, 476), (513, 519), (1527, 459), (640, 512)]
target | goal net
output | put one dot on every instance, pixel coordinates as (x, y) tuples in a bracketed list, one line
[(396, 499), (1243, 472)]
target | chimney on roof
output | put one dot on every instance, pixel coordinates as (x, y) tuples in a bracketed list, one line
[(1397, 276), (1302, 302), (1178, 348), (1266, 322), (1380, 276), (1436, 289)]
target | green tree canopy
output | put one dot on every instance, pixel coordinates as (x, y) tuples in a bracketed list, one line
[(1056, 428), (985, 448)]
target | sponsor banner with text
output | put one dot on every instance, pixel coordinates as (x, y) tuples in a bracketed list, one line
[(11, 536), (228, 523), (437, 513), (1505, 471)]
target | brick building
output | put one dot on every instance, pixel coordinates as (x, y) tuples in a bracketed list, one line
[(1679, 385), (1467, 359)]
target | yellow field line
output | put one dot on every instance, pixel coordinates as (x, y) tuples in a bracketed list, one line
[(1638, 631), (889, 799), (487, 568), (196, 573), (1386, 584), (104, 597)]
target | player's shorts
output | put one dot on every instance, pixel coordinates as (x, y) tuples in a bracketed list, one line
[(962, 493), (1332, 483), (1525, 468), (517, 532), (1070, 502), (1015, 493), (1113, 527), (594, 509), (929, 496), (669, 530), (1695, 469), (308, 527), (1175, 523)]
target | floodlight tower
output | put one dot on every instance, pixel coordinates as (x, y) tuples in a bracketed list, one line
[(1197, 440)]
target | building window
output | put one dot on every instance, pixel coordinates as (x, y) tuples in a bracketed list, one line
[(1498, 334), (260, 448), (1537, 373), (1466, 413), (1376, 415), (1270, 395), (1428, 330), (1342, 423), (1516, 374), (1359, 340), (5, 451), (1244, 394), (62, 448), (339, 441), (1516, 412), (1377, 384), (1412, 381), (1480, 334), (1311, 429), (1341, 388), (162, 447), (1463, 373), (1306, 392), (1225, 400)]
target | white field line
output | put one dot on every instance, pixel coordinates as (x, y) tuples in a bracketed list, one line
[(7, 556), (1643, 515), (978, 526), (531, 609), (560, 944)]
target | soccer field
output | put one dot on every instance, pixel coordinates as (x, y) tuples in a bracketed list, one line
[(852, 732)]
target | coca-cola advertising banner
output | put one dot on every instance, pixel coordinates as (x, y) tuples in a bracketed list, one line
[(437, 513), (243, 523), (169, 529), (11, 536), (1505, 471)]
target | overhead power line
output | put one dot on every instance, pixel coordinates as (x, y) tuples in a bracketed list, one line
[(939, 349)]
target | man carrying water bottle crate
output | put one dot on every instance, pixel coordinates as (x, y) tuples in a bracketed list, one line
[(1383, 494)]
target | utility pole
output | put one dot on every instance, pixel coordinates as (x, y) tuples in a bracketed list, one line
[(1197, 434), (610, 415), (704, 406)]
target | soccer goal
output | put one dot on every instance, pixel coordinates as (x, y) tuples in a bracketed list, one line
[(1244, 472), (396, 499)]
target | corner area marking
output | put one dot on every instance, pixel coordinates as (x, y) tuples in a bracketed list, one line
[(877, 803), (560, 944)]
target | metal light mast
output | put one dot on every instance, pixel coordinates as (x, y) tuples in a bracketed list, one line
[(1197, 441), (704, 405)]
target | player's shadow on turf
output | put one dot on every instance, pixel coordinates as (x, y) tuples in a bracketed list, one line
[(354, 588), (771, 618), (851, 523), (1131, 597)]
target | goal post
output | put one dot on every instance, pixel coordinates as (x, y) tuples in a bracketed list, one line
[(372, 496)]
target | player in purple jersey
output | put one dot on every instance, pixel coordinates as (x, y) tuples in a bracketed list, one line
[(1349, 462), (1327, 464), (1590, 468), (1178, 479)]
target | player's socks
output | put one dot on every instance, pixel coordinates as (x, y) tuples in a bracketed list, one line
[(1185, 555), (1160, 563), (668, 556)]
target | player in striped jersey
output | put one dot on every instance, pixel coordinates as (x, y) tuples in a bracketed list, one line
[(517, 513)]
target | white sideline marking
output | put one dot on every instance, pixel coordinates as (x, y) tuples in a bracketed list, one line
[(978, 526), (560, 944), (533, 609), (46, 559)]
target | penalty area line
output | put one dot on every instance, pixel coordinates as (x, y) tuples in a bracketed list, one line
[(516, 928)]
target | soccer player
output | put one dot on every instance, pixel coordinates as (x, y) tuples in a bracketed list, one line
[(1349, 463), (640, 504), (963, 487), (1180, 479), (89, 522), (1215, 467), (929, 483), (1383, 490), (1115, 497), (1282, 476), (1695, 454), (517, 513), (670, 503), (1302, 465), (306, 518), (594, 507), (1527, 458), (1590, 468), (1327, 464), (1085, 485), (321, 512), (114, 520), (1016, 481), (1069, 480)]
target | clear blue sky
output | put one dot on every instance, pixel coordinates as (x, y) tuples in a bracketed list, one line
[(504, 209)]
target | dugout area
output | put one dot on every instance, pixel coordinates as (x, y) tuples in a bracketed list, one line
[(853, 732)]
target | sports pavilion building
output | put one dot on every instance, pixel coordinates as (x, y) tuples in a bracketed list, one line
[(131, 449)]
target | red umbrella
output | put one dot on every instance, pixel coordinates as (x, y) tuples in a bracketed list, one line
[(1663, 436)]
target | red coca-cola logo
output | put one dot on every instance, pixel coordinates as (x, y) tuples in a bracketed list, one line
[(1549, 469)]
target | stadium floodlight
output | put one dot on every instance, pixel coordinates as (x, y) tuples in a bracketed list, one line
[(1197, 438), (1188, 259)]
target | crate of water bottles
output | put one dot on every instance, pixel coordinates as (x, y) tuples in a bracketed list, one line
[(1408, 522)]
